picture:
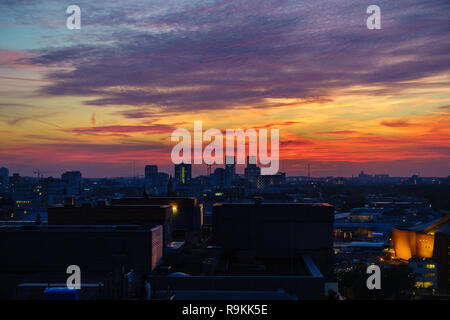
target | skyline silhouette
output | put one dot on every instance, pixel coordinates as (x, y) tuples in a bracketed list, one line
[(344, 97)]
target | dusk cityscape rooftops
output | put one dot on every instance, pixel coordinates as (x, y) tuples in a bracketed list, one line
[(221, 238), (224, 158)]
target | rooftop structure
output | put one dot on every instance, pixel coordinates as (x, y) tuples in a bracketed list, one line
[(45, 248), (426, 241), (277, 232), (138, 214)]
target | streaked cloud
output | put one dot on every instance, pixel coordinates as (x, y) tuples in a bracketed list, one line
[(113, 91)]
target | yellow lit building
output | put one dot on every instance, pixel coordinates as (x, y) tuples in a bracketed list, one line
[(426, 248)]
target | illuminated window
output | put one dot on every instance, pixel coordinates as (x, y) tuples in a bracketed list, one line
[(430, 266), (429, 275), (424, 284)]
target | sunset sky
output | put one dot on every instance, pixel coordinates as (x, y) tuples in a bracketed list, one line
[(344, 97)]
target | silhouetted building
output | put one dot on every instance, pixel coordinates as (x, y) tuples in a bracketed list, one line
[(187, 213), (35, 257), (277, 231), (415, 179), (15, 184), (6, 207), (151, 175), (441, 255), (183, 173), (163, 178), (72, 181), (219, 177), (269, 181), (272, 251), (252, 171), (55, 247), (230, 171), (4, 178), (118, 214)]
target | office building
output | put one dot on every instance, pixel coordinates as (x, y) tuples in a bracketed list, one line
[(183, 173), (72, 181), (252, 171), (230, 171)]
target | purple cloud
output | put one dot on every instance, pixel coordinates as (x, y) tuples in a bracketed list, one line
[(190, 56)]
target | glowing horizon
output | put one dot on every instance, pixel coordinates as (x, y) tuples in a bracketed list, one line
[(345, 98)]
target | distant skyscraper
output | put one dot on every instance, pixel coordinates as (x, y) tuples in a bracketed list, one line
[(151, 179), (14, 183), (72, 181), (163, 178), (219, 177), (252, 171), (230, 170), (4, 172), (151, 175), (183, 173), (4, 177)]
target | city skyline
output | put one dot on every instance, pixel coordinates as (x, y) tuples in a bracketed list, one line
[(202, 170), (105, 98)]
